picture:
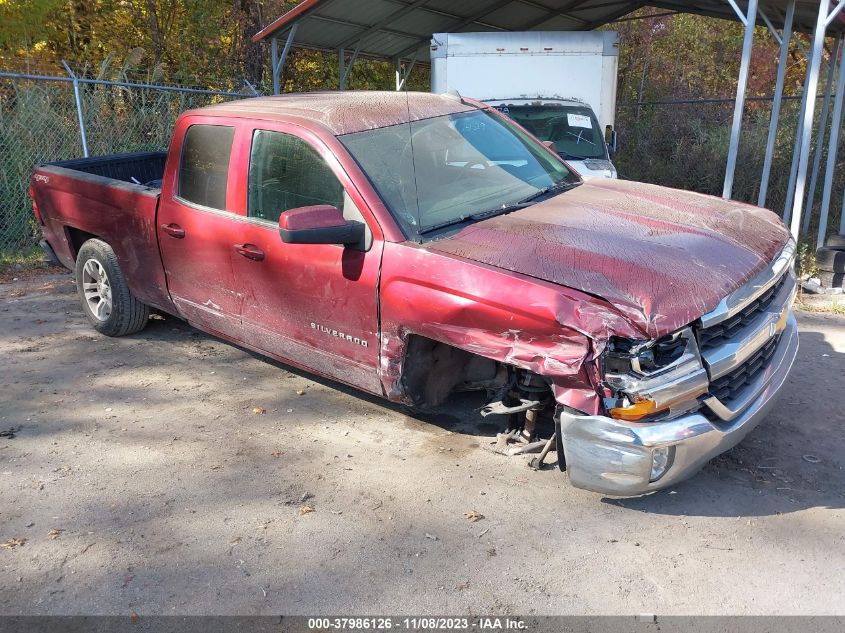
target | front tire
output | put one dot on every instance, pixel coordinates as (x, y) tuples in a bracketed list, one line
[(106, 300)]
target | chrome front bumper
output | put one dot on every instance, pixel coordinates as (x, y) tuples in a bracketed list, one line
[(615, 458)]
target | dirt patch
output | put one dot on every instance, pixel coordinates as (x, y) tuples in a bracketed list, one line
[(141, 479)]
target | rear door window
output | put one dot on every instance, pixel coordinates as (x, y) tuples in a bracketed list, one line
[(204, 169)]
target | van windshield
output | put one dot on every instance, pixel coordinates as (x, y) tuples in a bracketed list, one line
[(573, 129), (456, 169)]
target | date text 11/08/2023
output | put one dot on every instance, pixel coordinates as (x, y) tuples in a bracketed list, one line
[(416, 624)]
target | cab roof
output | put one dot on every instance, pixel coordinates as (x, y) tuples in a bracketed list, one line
[(346, 111)]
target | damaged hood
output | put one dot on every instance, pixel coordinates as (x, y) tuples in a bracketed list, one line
[(662, 257)]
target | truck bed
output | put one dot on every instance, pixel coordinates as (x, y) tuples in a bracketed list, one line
[(144, 168), (114, 198)]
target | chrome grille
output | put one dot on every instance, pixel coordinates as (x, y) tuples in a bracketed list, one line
[(724, 331), (731, 385), (741, 336)]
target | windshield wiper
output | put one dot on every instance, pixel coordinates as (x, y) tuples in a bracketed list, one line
[(502, 209), (561, 185), (525, 202), (568, 156)]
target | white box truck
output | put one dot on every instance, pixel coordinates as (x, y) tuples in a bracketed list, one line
[(560, 86)]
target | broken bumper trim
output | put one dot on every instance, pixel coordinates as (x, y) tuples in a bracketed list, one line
[(615, 458)]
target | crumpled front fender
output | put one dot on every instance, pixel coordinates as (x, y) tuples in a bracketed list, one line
[(520, 321)]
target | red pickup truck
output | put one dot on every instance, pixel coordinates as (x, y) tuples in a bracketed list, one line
[(417, 245)]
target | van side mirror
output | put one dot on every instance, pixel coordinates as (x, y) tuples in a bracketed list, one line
[(550, 145), (611, 140), (318, 224)]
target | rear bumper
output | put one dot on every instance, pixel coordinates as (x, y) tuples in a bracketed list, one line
[(615, 458)]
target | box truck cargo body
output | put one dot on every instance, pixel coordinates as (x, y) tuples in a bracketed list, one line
[(560, 86)]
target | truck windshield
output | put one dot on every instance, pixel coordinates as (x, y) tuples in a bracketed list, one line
[(455, 169), (573, 129)]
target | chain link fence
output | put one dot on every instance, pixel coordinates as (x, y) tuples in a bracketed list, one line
[(39, 122), (680, 144)]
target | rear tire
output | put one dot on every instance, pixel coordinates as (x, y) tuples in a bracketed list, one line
[(106, 300), (832, 280), (836, 242), (830, 260)]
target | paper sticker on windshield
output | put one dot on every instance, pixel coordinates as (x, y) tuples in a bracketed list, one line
[(579, 120)]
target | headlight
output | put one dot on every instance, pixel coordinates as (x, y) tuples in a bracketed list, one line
[(644, 358), (651, 378)]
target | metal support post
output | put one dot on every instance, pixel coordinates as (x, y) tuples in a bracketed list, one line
[(842, 216), (833, 145), (278, 61), (817, 159), (786, 38), (344, 77), (810, 110), (341, 62), (736, 129), (406, 74), (397, 69), (274, 63), (79, 114), (796, 150)]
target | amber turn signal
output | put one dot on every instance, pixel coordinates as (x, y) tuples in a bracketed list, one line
[(636, 411)]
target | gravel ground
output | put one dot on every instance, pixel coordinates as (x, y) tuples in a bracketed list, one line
[(170, 472)]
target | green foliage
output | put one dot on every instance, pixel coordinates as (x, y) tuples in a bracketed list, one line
[(805, 258), (207, 43), (38, 123), (23, 257)]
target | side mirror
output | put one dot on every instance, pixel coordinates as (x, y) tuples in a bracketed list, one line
[(550, 145), (612, 141), (319, 224)]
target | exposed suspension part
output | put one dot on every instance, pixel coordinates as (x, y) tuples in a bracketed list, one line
[(522, 398)]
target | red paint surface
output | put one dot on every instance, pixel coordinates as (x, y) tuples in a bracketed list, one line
[(345, 112), (313, 217), (663, 257), (541, 289)]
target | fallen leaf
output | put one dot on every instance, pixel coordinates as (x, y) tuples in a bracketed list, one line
[(473, 516), (300, 392), (491, 551), (463, 586), (259, 411), (430, 536), (277, 454), (55, 533), (306, 509), (133, 617), (13, 542), (235, 540)]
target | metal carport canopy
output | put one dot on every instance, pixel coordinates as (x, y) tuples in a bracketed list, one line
[(402, 29)]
